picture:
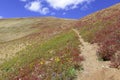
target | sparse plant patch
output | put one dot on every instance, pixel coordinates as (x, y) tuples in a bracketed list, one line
[(56, 59)]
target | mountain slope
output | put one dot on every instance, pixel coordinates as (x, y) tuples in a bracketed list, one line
[(36, 47), (50, 49), (103, 27), (16, 34), (20, 27)]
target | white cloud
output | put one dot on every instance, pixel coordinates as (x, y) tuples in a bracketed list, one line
[(23, 0), (36, 6), (1, 17), (33, 6), (66, 4), (45, 10), (43, 6)]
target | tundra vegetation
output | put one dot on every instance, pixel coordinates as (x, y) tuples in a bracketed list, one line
[(48, 49)]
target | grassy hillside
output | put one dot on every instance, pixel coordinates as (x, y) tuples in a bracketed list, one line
[(11, 29), (38, 48), (47, 48), (16, 34), (103, 27), (56, 58)]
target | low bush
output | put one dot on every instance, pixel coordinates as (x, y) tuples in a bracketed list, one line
[(109, 42)]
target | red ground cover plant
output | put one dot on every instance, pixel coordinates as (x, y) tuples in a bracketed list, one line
[(103, 27), (109, 41)]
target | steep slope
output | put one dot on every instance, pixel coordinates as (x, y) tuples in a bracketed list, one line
[(57, 58), (11, 29), (47, 48), (93, 69), (101, 32), (91, 63), (103, 27), (16, 34), (38, 49)]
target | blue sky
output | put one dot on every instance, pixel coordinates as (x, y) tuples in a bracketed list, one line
[(59, 8)]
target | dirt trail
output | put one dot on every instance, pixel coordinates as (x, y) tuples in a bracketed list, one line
[(93, 68)]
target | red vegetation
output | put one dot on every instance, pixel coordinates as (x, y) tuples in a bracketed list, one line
[(107, 33), (109, 41)]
